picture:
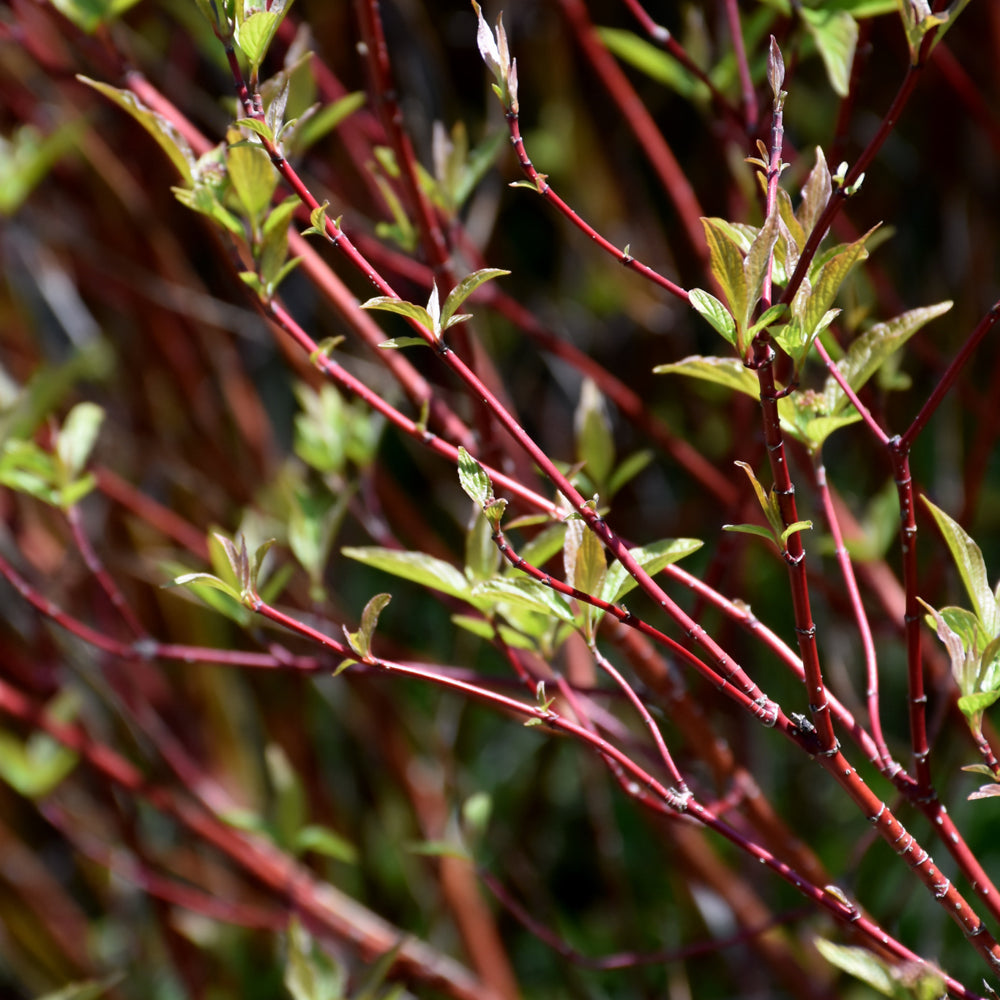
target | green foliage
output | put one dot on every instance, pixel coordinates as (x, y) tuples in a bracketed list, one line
[(56, 477), (35, 767)]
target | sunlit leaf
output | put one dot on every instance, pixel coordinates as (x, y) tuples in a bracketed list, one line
[(730, 372), (417, 567), (968, 559)]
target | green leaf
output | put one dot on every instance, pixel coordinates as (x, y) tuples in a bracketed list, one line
[(438, 849), (273, 250), (482, 557), (474, 479), (540, 549), (216, 14), (973, 705), (525, 593), (310, 973), (255, 34), (34, 768), (464, 289), (26, 158), (816, 193), (398, 343), (755, 266), (860, 963), (369, 621), (254, 178), (870, 351), (288, 808), (327, 119), (206, 580), (836, 35), (477, 626), (730, 372), (795, 527), (313, 523), (968, 559), (652, 558), (256, 125), (654, 62), (170, 140), (89, 15), (417, 567), (408, 309), (626, 471), (826, 284), (322, 840), (715, 312), (750, 529), (595, 445), (726, 261)]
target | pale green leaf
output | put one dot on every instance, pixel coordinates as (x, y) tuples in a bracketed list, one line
[(652, 558), (653, 61), (968, 559), (254, 35), (730, 372), (408, 309), (310, 973), (836, 35), (525, 593), (254, 178), (715, 312), (473, 479), (169, 138), (595, 445), (322, 840), (749, 529), (726, 262), (417, 567), (860, 963), (77, 437), (870, 351), (465, 288)]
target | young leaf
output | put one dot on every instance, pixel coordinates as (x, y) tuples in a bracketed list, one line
[(473, 479), (816, 193), (77, 436), (398, 343), (254, 35), (361, 641), (715, 312), (463, 290), (407, 309), (727, 266), (968, 559)]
